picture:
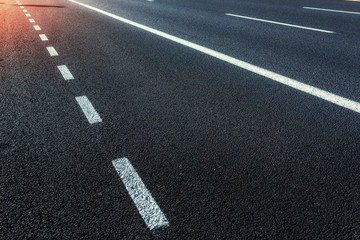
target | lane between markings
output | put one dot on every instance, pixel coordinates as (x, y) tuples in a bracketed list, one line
[(314, 91)]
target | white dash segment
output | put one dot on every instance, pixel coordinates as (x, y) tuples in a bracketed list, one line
[(31, 20), (22, 7), (37, 28), (331, 10), (144, 202), (52, 51), (43, 37), (65, 72), (306, 88), (27, 14), (88, 109), (279, 23), (24, 10)]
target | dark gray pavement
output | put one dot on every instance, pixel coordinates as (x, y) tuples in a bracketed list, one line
[(226, 154)]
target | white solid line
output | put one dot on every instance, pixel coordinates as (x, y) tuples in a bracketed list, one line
[(317, 92), (88, 109), (52, 51), (31, 20), (279, 23), (27, 14), (43, 37), (331, 10), (144, 202), (65, 72), (24, 10)]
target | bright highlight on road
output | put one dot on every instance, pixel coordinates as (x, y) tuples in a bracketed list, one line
[(314, 91), (279, 23), (144, 202)]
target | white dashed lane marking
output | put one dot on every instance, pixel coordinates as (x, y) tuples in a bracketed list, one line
[(144, 202), (24, 10), (31, 20), (22, 7), (52, 51), (314, 91), (65, 72), (27, 14), (279, 23), (88, 109), (37, 28), (43, 37), (331, 10)]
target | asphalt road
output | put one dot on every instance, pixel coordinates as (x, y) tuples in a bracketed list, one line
[(226, 153)]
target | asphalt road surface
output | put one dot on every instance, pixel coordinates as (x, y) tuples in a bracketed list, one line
[(179, 119)]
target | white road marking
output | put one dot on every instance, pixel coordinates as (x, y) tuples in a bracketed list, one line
[(65, 72), (88, 109), (331, 10), (43, 37), (150, 0), (27, 14), (145, 203), (31, 20), (52, 51), (280, 23), (19, 4), (37, 28), (22, 7), (314, 91), (24, 10)]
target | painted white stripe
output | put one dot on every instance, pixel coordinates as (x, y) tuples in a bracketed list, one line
[(145, 203), (317, 92), (31, 20), (19, 4), (88, 109), (37, 28), (65, 72), (331, 10), (24, 10), (52, 51), (27, 14), (279, 23), (43, 37), (22, 7)]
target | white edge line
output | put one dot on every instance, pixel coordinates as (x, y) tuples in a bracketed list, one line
[(331, 10), (145, 203), (52, 51), (88, 109), (65, 72), (317, 92), (279, 23)]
